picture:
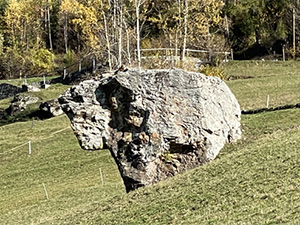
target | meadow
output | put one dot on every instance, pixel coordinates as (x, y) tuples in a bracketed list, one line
[(253, 181)]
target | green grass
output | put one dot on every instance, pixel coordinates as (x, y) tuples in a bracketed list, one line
[(279, 80), (70, 174), (44, 95), (258, 68), (254, 181), (20, 82), (256, 185)]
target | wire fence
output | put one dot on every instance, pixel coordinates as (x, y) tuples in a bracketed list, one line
[(84, 63), (29, 142)]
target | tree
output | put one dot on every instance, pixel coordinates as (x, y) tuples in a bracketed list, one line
[(260, 23), (187, 21)]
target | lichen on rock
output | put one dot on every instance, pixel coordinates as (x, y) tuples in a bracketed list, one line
[(156, 123)]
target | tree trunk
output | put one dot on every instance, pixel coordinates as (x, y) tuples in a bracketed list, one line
[(178, 34), (128, 42), (66, 33), (120, 32), (294, 33), (107, 42), (176, 47), (78, 42), (137, 10), (49, 26), (185, 28)]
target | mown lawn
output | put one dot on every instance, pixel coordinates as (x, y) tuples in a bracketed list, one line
[(278, 80), (257, 184), (71, 175)]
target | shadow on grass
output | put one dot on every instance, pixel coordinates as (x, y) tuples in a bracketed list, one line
[(24, 116)]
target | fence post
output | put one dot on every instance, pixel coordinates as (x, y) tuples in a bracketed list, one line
[(210, 56), (45, 190), (268, 100), (65, 72), (25, 80), (101, 177), (283, 53), (29, 147), (44, 79), (231, 53), (79, 66), (94, 64)]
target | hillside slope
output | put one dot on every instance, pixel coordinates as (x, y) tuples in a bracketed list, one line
[(255, 182)]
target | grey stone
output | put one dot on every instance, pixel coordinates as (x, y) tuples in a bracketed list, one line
[(31, 88), (156, 123), (20, 103), (51, 108), (8, 90)]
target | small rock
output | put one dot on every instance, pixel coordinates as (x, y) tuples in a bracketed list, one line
[(51, 108), (8, 90), (30, 88), (20, 103)]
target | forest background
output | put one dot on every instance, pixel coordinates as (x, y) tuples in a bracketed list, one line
[(38, 36)]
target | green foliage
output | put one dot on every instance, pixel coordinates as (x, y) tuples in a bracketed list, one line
[(12, 62), (168, 157), (69, 57), (42, 59), (258, 22), (213, 71)]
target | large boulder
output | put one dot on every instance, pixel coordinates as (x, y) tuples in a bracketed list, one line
[(156, 123), (8, 90)]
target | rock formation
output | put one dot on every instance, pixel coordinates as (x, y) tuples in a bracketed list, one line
[(156, 123), (51, 108), (20, 103), (8, 90), (31, 88)]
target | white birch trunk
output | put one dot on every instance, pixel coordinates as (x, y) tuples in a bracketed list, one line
[(66, 33), (49, 26), (185, 29), (120, 32), (128, 42), (137, 10), (107, 42)]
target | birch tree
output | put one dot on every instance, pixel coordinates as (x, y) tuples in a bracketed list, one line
[(138, 4)]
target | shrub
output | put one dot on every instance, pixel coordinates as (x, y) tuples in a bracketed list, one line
[(213, 71), (69, 58), (42, 59)]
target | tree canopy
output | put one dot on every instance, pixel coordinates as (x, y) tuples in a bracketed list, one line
[(34, 33)]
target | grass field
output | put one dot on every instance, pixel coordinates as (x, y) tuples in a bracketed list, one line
[(279, 80), (255, 181)]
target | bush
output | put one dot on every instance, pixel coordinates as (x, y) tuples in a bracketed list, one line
[(42, 60), (213, 71), (69, 58)]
